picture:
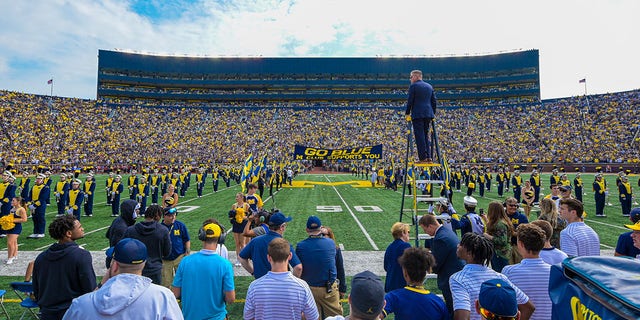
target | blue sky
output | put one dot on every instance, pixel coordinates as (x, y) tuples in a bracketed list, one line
[(59, 39)]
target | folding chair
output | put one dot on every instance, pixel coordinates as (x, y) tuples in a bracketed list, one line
[(24, 290), (2, 293)]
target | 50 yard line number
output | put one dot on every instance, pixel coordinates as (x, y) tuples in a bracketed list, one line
[(363, 209)]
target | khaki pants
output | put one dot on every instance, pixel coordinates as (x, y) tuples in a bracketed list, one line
[(169, 268), (328, 303)]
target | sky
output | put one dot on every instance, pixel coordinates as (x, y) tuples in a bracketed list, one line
[(58, 39)]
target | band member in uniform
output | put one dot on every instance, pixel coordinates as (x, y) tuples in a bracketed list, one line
[(108, 184), (164, 181), (183, 183), (25, 185), (578, 186), (154, 185), (89, 188), (237, 214), (38, 196), (599, 189), (132, 181), (73, 199), (481, 182), (62, 187), (214, 179), (141, 194), (501, 178), (114, 194), (516, 181), (554, 178), (625, 195), (488, 178), (48, 181), (201, 177), (535, 183), (7, 192)]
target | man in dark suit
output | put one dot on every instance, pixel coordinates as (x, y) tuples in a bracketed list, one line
[(443, 247), (421, 109)]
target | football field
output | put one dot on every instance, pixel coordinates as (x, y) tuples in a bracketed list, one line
[(360, 215)]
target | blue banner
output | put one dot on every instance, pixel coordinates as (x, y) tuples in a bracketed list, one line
[(595, 288), (357, 153)]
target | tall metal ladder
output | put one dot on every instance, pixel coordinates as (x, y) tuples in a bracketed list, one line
[(412, 182)]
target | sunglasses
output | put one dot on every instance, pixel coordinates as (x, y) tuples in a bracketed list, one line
[(490, 316)]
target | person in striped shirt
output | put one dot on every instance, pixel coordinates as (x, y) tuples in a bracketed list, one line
[(531, 275), (577, 239), (293, 299), (465, 284)]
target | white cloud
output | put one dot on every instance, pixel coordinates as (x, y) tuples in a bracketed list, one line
[(577, 39)]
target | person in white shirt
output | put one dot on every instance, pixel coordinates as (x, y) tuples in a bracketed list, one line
[(549, 253), (577, 239)]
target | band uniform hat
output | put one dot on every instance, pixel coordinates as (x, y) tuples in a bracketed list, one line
[(313, 223), (129, 251), (367, 293), (278, 218), (634, 227), (470, 201), (40, 176), (499, 298), (443, 202)]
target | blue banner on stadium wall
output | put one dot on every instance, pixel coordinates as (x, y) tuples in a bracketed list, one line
[(357, 153)]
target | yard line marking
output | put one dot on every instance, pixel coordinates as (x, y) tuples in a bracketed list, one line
[(366, 234)]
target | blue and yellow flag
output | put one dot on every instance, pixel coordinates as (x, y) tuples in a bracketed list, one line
[(246, 171)]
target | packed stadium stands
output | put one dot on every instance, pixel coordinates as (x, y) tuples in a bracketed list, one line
[(53, 130)]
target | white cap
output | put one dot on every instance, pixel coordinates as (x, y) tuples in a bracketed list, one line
[(443, 202), (470, 201)]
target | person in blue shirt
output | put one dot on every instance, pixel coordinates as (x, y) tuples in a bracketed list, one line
[(625, 245), (414, 301), (180, 245), (395, 278), (256, 249)]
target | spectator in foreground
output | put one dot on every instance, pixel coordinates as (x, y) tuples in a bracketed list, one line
[(366, 299), (549, 253), (414, 301), (577, 239), (625, 246), (531, 275), (395, 279), (293, 300), (64, 271), (497, 300), (126, 294)]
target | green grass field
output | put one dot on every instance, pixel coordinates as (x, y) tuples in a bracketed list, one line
[(361, 216)]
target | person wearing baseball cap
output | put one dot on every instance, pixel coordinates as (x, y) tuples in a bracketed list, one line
[(635, 235), (124, 292), (366, 299), (627, 245), (205, 267), (497, 300), (7, 192), (256, 249), (318, 254)]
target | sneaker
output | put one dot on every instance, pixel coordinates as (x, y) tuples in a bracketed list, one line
[(2, 235), (625, 215), (32, 236), (238, 264), (10, 260), (600, 215), (41, 235)]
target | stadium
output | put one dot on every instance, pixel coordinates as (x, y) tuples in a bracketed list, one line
[(240, 120)]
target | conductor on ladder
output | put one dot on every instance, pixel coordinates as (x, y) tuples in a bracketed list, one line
[(421, 109)]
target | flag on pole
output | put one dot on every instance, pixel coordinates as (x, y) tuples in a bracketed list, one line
[(246, 171), (50, 81), (583, 80)]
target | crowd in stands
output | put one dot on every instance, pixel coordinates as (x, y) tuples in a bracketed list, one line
[(62, 130)]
